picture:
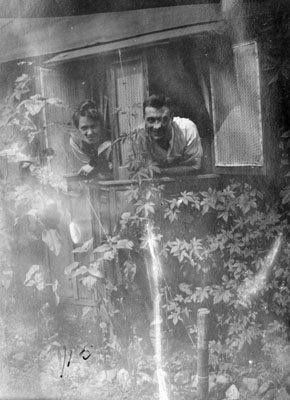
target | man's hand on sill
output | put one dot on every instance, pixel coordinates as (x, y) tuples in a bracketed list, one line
[(87, 173), (86, 170)]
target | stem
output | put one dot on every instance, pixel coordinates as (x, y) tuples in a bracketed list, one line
[(97, 217), (202, 353)]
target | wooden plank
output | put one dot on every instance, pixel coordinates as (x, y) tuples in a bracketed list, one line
[(130, 94), (33, 37), (270, 123), (113, 118), (135, 42), (56, 83), (128, 182), (71, 91)]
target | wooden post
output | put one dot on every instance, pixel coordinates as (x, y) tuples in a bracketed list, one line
[(202, 353)]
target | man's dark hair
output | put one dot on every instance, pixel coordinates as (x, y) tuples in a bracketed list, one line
[(158, 101), (87, 108)]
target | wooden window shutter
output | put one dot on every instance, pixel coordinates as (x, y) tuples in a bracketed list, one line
[(128, 88), (237, 114), (71, 90)]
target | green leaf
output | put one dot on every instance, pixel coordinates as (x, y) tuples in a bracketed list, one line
[(68, 270), (186, 312), (32, 270), (75, 232), (15, 154), (85, 247), (37, 281), (196, 247), (224, 215), (184, 287), (235, 248), (6, 278), (55, 102), (171, 215), (154, 168), (201, 294), (222, 295), (40, 286), (95, 270), (285, 196), (126, 215), (33, 213), (32, 105), (55, 286), (286, 135), (55, 343), (88, 282), (130, 271), (57, 299), (125, 244), (22, 78), (147, 208), (153, 240), (85, 311), (30, 283), (109, 255), (38, 277), (102, 248), (80, 271), (52, 239)]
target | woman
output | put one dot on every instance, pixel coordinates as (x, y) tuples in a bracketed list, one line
[(87, 141)]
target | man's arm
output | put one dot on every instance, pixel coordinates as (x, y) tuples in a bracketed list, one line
[(193, 151)]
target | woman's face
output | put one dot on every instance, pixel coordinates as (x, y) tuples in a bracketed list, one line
[(90, 130)]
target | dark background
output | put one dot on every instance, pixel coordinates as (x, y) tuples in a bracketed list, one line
[(60, 8)]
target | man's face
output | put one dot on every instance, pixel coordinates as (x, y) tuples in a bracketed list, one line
[(90, 130), (157, 122)]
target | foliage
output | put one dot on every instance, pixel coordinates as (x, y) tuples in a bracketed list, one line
[(32, 200), (214, 244), (238, 268), (214, 249), (241, 281), (273, 34), (31, 206), (29, 197)]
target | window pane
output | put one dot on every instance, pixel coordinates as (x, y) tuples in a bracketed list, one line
[(237, 111), (130, 96)]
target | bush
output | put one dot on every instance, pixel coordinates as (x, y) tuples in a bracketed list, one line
[(237, 265)]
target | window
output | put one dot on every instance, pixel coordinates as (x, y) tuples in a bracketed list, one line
[(237, 112)]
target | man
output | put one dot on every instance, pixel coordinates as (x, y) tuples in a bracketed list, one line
[(164, 139), (87, 141)]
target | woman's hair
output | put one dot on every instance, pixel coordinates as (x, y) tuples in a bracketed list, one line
[(158, 101), (87, 108)]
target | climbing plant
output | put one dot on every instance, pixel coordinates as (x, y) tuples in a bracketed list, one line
[(31, 201), (231, 257)]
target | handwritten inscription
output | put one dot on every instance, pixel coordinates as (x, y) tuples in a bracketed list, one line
[(85, 354)]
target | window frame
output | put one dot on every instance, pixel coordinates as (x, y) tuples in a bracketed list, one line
[(268, 139)]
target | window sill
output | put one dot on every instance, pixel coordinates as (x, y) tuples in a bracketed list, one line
[(166, 175)]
